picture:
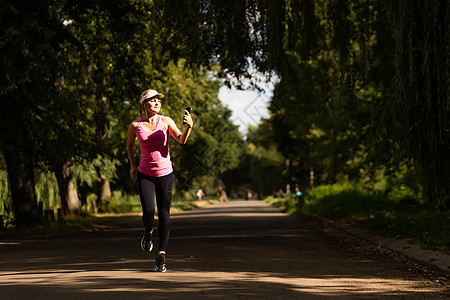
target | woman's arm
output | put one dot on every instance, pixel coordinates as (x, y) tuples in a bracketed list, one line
[(180, 137), (130, 149)]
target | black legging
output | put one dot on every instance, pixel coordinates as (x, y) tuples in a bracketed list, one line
[(162, 187)]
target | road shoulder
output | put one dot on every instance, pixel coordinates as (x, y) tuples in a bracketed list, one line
[(433, 259)]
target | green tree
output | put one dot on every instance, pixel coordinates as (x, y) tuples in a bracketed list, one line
[(266, 169), (29, 63), (262, 168), (319, 114), (413, 118)]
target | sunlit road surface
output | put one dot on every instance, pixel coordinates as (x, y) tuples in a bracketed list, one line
[(236, 249)]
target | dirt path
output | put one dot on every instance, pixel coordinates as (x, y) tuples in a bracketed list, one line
[(237, 249)]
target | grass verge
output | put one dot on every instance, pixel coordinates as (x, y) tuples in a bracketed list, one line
[(389, 214), (95, 222)]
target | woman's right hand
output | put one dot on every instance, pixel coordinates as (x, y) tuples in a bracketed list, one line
[(133, 172)]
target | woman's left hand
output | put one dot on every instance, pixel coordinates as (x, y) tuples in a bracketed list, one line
[(187, 119)]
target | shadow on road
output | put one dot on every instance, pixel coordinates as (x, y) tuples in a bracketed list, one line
[(238, 249)]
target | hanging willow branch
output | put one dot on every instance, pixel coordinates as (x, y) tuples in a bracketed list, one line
[(417, 105)]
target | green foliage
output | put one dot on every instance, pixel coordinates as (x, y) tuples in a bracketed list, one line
[(85, 173), (364, 87), (288, 204), (227, 32), (5, 200), (120, 203), (238, 179), (29, 62), (321, 109), (264, 163), (47, 190), (413, 117), (398, 213), (259, 162), (106, 167), (404, 194), (344, 201)]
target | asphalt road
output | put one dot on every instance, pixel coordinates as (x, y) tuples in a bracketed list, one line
[(237, 249)]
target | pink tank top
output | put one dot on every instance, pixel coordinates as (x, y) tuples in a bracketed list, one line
[(155, 157)]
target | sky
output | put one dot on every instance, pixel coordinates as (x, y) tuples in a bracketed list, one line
[(249, 106)]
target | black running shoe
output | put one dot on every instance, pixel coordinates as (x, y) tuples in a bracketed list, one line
[(146, 242), (161, 263)]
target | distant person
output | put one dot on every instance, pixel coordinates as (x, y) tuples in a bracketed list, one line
[(155, 173), (200, 194), (223, 196), (220, 193), (298, 193), (299, 196)]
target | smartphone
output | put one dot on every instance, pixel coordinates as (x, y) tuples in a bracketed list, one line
[(189, 110)]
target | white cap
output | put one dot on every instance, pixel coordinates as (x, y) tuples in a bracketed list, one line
[(150, 94)]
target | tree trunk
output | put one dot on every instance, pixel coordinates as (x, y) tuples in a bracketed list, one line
[(103, 188), (334, 156), (311, 177), (103, 192), (73, 202), (106, 188), (67, 188), (21, 180), (333, 115)]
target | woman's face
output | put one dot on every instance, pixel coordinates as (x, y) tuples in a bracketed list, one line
[(153, 105)]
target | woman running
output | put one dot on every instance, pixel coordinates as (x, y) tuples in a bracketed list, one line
[(155, 173)]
